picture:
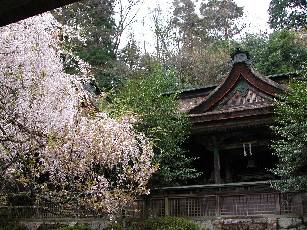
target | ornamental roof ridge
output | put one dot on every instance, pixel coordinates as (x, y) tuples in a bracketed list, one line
[(240, 56)]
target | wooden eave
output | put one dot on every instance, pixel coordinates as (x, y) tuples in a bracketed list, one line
[(231, 120), (198, 92), (15, 10)]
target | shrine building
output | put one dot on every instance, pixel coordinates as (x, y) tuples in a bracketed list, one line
[(231, 125), (231, 137)]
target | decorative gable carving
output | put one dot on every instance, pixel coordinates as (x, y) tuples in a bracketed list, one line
[(243, 95), (242, 99)]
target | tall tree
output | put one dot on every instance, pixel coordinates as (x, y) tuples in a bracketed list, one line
[(186, 21), (127, 11), (166, 39), (288, 14), (89, 29), (131, 54), (93, 32), (220, 18), (202, 57)]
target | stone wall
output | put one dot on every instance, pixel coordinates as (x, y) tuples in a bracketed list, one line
[(255, 223), (242, 223)]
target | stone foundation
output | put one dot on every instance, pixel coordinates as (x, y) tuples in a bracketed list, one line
[(255, 223), (246, 223)]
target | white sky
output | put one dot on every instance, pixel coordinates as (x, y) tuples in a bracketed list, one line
[(256, 16)]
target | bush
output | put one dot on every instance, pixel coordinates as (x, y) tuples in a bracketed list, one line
[(12, 226), (164, 223), (113, 227)]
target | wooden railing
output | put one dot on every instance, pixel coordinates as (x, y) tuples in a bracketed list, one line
[(195, 206), (197, 201)]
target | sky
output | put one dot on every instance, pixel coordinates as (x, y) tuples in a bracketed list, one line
[(255, 14)]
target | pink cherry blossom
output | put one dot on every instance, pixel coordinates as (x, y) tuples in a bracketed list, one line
[(54, 145)]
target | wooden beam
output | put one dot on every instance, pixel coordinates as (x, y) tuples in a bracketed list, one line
[(217, 186), (239, 145)]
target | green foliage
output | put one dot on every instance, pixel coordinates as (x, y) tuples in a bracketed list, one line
[(185, 19), (131, 54), (291, 128), (164, 223), (288, 14), (115, 226), (280, 52), (94, 20), (160, 120), (76, 227)]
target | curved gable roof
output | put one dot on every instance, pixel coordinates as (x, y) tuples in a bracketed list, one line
[(241, 71)]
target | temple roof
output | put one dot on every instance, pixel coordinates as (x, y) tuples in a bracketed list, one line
[(244, 98), (16, 10), (192, 97)]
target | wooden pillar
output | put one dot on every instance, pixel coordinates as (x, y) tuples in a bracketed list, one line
[(299, 200), (277, 205), (147, 208), (217, 166), (218, 205), (217, 163), (166, 206)]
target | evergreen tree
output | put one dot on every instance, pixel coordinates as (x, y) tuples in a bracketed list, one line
[(186, 21), (131, 54), (202, 57), (93, 22), (219, 17)]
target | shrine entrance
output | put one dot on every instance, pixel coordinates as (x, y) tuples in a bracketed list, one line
[(237, 156)]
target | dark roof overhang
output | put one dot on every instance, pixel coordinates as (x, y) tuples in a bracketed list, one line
[(223, 121), (16, 10)]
